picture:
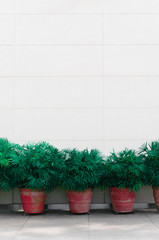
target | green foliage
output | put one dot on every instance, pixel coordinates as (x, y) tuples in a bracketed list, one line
[(150, 154), (80, 170), (7, 154), (123, 169), (34, 167), (41, 166)]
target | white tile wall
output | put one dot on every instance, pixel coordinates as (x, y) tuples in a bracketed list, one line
[(7, 6), (59, 29), (6, 93), (139, 124), (131, 29), (59, 124), (53, 58), (122, 144), (131, 60), (59, 61), (7, 123), (7, 29), (81, 73), (131, 92), (80, 144), (129, 6), (68, 92), (59, 7), (7, 58)]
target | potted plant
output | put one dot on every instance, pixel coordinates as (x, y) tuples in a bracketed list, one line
[(150, 154), (7, 154), (79, 173), (33, 174), (122, 173)]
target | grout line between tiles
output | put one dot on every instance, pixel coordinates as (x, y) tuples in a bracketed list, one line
[(78, 108), (154, 224), (78, 44), (13, 85), (80, 76), (103, 85), (21, 227), (79, 14), (89, 234), (88, 140)]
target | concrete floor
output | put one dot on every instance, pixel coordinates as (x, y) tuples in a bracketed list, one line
[(99, 224)]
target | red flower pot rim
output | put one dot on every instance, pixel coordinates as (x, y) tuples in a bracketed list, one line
[(83, 191), (123, 188), (31, 190)]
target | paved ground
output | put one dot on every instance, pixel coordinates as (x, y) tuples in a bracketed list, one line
[(100, 224)]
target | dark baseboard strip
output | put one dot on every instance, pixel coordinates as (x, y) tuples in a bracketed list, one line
[(18, 207)]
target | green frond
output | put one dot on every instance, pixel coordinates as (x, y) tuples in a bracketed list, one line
[(80, 170), (7, 155), (150, 154), (36, 166), (123, 169)]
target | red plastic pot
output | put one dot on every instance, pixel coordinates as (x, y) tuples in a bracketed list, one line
[(122, 199), (79, 202), (156, 197), (32, 200)]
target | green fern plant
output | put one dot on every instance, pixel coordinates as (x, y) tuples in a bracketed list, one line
[(80, 170), (7, 155), (150, 155), (34, 169), (123, 170)]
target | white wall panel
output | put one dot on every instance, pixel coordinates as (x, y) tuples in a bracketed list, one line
[(7, 6), (6, 124), (132, 124), (6, 93), (121, 145), (59, 92), (60, 6), (59, 29), (59, 60), (7, 61), (129, 6), (131, 29), (133, 92), (131, 60), (58, 124), (79, 144), (7, 29)]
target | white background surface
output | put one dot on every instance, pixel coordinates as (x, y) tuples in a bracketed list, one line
[(80, 73)]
